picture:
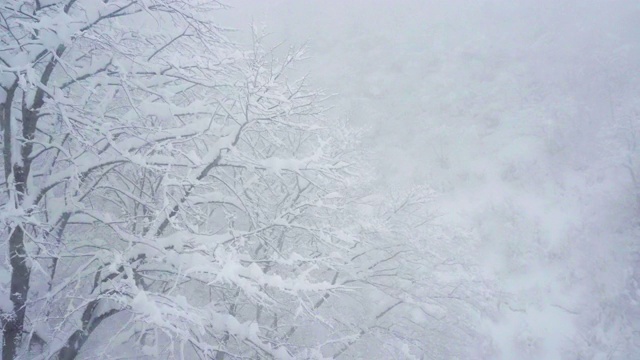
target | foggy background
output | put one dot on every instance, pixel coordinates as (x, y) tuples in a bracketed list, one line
[(523, 116)]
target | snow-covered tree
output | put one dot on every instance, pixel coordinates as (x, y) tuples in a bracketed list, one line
[(169, 194), (424, 293), (159, 180)]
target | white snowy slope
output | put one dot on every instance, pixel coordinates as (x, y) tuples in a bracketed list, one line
[(524, 116)]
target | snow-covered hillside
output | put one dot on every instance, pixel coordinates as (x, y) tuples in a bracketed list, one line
[(524, 117)]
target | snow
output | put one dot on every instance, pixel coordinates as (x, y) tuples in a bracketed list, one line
[(493, 197), (501, 107), (144, 306)]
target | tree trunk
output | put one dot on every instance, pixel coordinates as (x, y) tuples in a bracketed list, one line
[(20, 276), (16, 175), (90, 322), (13, 328)]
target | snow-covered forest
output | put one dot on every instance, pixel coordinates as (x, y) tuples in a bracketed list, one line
[(307, 179)]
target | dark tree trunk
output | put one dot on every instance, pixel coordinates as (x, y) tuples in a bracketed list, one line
[(20, 275), (16, 176), (20, 272), (90, 322)]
